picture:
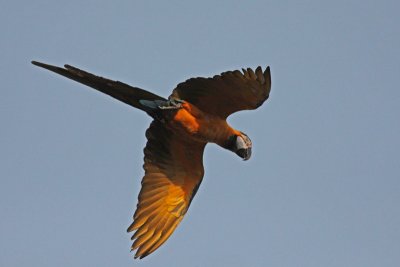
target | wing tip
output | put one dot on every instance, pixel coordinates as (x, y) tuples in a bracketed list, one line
[(40, 64), (267, 75), (52, 67), (67, 66), (130, 228), (267, 71), (47, 66)]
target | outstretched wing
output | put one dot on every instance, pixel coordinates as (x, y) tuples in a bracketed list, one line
[(173, 172), (227, 93), (121, 91)]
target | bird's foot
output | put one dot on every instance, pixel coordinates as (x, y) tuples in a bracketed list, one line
[(171, 104)]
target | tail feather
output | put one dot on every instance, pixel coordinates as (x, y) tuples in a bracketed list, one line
[(121, 91)]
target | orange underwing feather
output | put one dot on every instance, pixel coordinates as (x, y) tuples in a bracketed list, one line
[(169, 183)]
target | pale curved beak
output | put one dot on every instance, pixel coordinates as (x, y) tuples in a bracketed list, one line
[(244, 153)]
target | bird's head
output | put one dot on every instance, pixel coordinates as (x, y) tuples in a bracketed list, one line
[(240, 144)]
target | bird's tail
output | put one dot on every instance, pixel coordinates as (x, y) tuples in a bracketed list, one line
[(132, 96)]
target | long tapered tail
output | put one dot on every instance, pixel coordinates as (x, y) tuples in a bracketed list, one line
[(121, 91)]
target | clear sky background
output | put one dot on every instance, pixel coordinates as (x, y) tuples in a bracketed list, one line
[(321, 189)]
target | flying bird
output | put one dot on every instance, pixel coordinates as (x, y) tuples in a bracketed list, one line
[(192, 116)]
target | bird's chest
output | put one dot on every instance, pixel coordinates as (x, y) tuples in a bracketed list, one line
[(201, 126)]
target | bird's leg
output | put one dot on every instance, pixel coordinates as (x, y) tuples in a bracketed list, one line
[(172, 103)]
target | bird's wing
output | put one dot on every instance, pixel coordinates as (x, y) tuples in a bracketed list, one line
[(121, 91), (228, 92), (173, 172)]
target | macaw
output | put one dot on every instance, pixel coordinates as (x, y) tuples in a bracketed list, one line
[(192, 116)]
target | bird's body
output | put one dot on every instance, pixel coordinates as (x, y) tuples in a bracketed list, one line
[(198, 125), (194, 115)]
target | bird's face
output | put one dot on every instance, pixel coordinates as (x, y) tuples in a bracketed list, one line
[(241, 145)]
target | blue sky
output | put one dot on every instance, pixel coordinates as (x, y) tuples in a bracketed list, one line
[(321, 189)]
